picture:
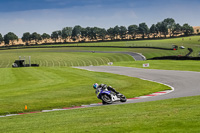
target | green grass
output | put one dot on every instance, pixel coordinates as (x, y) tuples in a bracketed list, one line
[(56, 87), (188, 42), (51, 57), (165, 116), (184, 65), (59, 57)]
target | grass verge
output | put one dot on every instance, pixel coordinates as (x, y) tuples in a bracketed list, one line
[(183, 65), (173, 115)]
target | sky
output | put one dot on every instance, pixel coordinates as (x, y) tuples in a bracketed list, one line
[(46, 16)]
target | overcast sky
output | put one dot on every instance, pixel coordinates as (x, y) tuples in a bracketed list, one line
[(46, 16)]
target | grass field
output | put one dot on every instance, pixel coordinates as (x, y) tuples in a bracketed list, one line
[(184, 65), (188, 42), (52, 57), (165, 116), (60, 57), (55, 85)]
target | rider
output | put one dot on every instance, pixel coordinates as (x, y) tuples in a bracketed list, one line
[(104, 86)]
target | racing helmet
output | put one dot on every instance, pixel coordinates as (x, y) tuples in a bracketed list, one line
[(95, 85)]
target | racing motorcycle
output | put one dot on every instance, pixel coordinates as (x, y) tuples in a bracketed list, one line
[(108, 97)]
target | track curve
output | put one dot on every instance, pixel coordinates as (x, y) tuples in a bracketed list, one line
[(185, 83), (136, 56)]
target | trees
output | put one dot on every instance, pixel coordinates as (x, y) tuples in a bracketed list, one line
[(111, 33), (102, 33), (116, 31), (35, 36), (65, 33), (10, 37), (26, 37), (91, 32), (153, 30), (76, 32), (88, 32), (94, 32), (177, 29), (1, 38), (165, 27), (159, 28), (84, 33), (122, 31), (45, 36), (133, 30), (143, 29), (55, 35), (162, 28), (187, 29), (170, 24)]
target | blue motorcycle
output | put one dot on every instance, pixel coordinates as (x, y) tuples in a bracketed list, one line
[(108, 97)]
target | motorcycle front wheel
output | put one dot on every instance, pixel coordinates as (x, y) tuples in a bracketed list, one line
[(106, 99), (123, 98)]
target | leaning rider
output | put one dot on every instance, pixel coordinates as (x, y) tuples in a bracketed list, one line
[(103, 87)]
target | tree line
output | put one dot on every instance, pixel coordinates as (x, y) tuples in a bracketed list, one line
[(166, 27)]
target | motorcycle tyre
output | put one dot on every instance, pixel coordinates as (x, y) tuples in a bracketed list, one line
[(106, 101), (123, 98)]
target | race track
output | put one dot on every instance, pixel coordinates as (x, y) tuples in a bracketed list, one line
[(185, 83)]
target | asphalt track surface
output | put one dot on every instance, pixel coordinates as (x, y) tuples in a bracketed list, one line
[(185, 83), (136, 56)]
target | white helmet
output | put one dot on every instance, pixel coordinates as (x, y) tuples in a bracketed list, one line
[(95, 85)]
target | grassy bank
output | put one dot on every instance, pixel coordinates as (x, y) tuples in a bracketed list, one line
[(173, 115), (56, 87), (51, 57), (183, 65), (60, 57), (191, 42), (188, 42)]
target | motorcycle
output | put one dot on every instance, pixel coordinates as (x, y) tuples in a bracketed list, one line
[(108, 97)]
